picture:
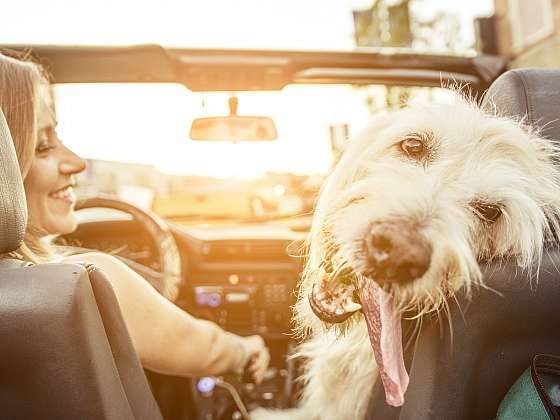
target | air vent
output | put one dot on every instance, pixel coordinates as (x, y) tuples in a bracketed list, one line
[(244, 250)]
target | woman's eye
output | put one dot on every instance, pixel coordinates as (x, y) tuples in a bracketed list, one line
[(487, 212), (413, 147), (43, 146)]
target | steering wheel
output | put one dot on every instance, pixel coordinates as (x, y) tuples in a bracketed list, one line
[(168, 278)]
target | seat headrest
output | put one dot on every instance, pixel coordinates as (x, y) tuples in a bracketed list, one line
[(13, 208), (533, 94)]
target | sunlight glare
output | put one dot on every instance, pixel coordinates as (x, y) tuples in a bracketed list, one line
[(149, 123)]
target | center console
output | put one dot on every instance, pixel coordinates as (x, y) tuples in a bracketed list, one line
[(246, 287), (214, 399), (246, 302)]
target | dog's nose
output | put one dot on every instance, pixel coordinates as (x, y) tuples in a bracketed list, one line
[(396, 253)]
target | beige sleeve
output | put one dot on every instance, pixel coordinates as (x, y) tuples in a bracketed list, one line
[(167, 339)]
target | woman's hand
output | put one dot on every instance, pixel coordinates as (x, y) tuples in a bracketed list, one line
[(257, 356)]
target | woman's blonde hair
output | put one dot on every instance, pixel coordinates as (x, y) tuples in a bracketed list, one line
[(20, 83)]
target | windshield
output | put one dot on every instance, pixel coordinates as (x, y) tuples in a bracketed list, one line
[(135, 137)]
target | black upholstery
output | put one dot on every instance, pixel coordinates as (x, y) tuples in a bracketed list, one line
[(494, 339), (131, 374), (57, 361), (533, 94), (465, 374), (13, 211)]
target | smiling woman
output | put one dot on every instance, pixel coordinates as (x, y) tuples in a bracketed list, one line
[(50, 181)]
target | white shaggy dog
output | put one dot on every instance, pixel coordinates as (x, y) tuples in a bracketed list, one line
[(420, 196)]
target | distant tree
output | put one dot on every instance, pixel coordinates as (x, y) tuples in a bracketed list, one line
[(388, 23), (438, 33), (384, 24)]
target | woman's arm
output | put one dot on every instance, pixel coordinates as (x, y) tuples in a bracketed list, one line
[(169, 340)]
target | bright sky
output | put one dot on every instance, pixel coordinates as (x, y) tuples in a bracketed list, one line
[(149, 124)]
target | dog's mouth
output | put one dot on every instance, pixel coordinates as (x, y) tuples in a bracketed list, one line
[(334, 301), (334, 298)]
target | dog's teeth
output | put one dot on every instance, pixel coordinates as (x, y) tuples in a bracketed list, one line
[(321, 296), (340, 311), (351, 306)]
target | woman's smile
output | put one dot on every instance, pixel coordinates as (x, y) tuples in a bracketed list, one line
[(65, 194)]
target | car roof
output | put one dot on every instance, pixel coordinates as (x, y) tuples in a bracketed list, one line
[(254, 70)]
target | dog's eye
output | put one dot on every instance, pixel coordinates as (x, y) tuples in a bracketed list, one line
[(413, 146), (488, 212)]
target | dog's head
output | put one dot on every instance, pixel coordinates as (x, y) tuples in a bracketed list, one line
[(420, 196)]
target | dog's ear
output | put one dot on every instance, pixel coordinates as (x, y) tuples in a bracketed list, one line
[(531, 197)]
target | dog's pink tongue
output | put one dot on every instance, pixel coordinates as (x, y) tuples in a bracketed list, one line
[(384, 328)]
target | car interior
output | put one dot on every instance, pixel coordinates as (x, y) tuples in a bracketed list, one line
[(66, 351)]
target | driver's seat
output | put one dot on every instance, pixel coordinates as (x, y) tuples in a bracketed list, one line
[(65, 352)]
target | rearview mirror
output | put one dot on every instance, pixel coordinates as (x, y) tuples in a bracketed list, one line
[(234, 127)]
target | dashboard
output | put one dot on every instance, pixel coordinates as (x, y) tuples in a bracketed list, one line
[(244, 282), (243, 277)]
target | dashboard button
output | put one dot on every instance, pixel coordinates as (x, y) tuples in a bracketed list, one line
[(214, 300)]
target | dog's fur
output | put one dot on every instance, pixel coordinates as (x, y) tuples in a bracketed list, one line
[(471, 157)]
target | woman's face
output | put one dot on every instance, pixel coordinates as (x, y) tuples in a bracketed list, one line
[(49, 182)]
